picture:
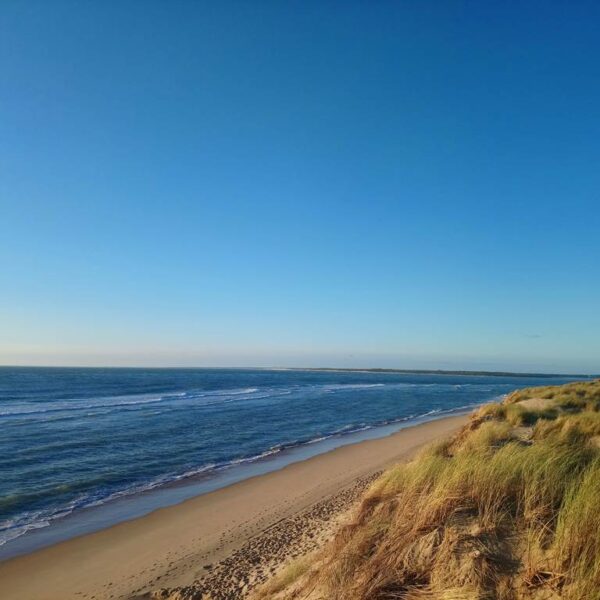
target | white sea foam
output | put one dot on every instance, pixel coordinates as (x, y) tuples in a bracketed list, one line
[(352, 386), (124, 402), (233, 392), (87, 404)]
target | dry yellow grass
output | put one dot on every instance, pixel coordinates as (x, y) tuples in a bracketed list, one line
[(506, 510), (285, 579)]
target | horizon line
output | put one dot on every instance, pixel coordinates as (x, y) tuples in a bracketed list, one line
[(342, 369)]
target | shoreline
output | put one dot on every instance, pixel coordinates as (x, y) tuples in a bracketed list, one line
[(129, 506), (177, 546)]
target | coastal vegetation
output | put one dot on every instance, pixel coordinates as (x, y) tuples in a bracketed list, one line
[(506, 509)]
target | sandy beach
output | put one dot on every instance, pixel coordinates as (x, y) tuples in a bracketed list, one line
[(224, 542)]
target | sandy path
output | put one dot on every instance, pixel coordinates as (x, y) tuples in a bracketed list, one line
[(179, 545)]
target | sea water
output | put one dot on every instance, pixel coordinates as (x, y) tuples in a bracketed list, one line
[(72, 439)]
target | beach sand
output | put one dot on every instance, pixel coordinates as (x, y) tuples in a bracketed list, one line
[(224, 542)]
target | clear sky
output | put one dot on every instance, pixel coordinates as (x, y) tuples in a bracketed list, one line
[(395, 184)]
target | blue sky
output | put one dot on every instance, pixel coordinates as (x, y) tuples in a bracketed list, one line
[(397, 184)]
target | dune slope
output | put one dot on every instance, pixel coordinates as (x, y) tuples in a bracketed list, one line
[(506, 509)]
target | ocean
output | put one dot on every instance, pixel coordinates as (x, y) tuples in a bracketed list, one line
[(74, 439)]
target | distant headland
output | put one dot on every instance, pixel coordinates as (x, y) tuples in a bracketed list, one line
[(446, 372)]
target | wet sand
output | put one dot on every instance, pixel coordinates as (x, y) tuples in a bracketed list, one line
[(223, 543)]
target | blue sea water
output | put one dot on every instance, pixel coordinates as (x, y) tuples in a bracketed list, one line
[(75, 438)]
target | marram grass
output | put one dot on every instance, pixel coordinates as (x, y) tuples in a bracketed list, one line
[(508, 509)]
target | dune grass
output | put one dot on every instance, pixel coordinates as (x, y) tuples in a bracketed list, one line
[(287, 577), (509, 509)]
